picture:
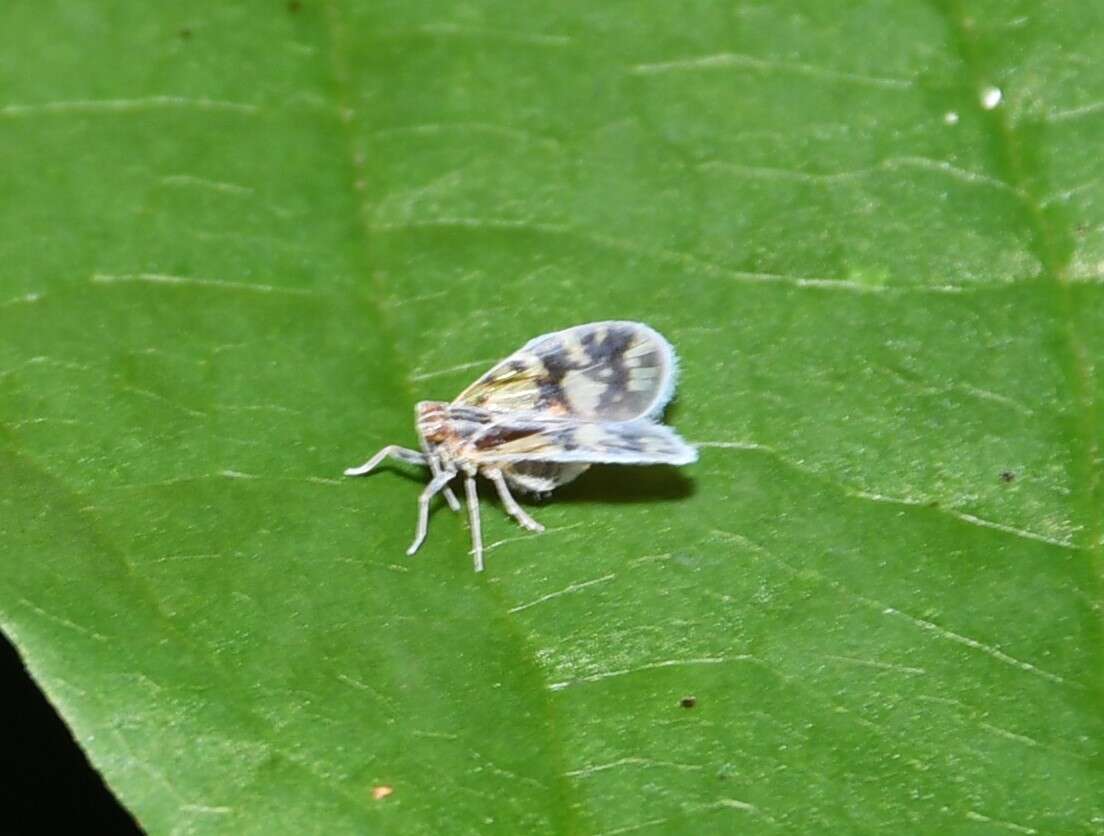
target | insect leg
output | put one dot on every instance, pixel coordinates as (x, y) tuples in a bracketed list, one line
[(473, 516), (450, 497), (508, 501), (439, 481), (400, 453)]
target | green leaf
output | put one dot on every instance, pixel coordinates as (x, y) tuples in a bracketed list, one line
[(240, 241)]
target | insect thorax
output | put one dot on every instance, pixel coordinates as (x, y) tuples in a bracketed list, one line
[(444, 429)]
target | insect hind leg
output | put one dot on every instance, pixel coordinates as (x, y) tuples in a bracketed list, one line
[(508, 501), (391, 451), (474, 521)]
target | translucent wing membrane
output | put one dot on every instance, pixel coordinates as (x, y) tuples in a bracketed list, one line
[(536, 438), (606, 371)]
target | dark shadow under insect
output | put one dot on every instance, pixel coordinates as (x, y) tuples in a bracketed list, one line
[(617, 485)]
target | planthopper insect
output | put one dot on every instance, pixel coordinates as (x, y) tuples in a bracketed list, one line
[(538, 419)]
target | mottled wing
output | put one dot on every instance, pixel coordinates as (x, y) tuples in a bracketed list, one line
[(534, 437), (602, 371)]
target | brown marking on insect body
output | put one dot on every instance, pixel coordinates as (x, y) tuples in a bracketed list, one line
[(434, 435), (433, 423), (497, 436)]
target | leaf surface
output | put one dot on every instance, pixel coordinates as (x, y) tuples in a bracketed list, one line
[(242, 240)]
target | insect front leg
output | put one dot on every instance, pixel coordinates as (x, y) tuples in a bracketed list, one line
[(473, 517), (508, 501), (438, 483), (393, 451), (450, 497)]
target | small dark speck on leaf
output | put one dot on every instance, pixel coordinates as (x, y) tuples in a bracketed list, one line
[(294, 6), (1007, 476), (185, 33), (688, 702), (726, 771)]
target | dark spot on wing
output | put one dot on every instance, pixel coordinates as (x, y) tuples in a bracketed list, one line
[(608, 353), (554, 358), (551, 397), (550, 385), (566, 440), (608, 349), (617, 388), (617, 401)]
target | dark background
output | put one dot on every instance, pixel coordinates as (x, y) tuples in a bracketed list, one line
[(46, 782)]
